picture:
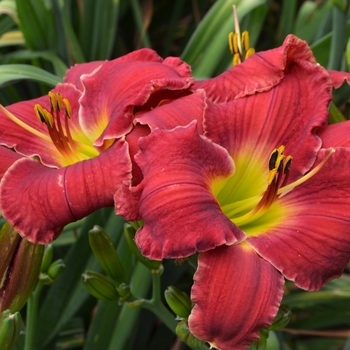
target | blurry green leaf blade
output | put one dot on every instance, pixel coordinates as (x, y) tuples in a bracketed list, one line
[(32, 20), (15, 72), (9, 7), (99, 27), (287, 18), (207, 29), (217, 43), (12, 38), (338, 42), (59, 67)]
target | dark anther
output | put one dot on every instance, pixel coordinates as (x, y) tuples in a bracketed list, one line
[(273, 158), (288, 165)]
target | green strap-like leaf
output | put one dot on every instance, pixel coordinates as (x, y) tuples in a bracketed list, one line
[(21, 55), (99, 27), (14, 72)]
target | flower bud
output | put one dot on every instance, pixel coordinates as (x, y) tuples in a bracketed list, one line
[(20, 269), (178, 301), (99, 286), (156, 267), (186, 336), (282, 318), (47, 258), (54, 272), (10, 328), (124, 291), (106, 254)]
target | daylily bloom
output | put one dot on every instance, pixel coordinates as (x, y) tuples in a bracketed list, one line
[(260, 189), (64, 155)]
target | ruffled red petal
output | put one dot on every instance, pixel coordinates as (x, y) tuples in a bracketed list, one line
[(339, 78), (260, 72), (130, 82), (39, 201), (289, 114), (335, 135), (178, 168), (236, 293)]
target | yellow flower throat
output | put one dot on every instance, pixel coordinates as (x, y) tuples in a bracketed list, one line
[(262, 208)]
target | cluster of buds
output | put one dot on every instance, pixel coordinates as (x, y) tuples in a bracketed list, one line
[(50, 271), (114, 286)]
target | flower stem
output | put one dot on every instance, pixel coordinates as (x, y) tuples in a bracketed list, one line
[(156, 306), (32, 317)]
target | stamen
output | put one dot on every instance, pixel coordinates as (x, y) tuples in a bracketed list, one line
[(283, 190), (236, 59), (68, 108), (61, 137), (273, 159), (53, 101), (59, 100), (237, 43), (245, 40), (43, 115), (278, 177), (250, 52), (23, 125), (231, 42)]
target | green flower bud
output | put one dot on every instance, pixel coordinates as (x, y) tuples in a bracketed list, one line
[(186, 336), (54, 272), (20, 269), (10, 328), (106, 254), (99, 286), (282, 318), (178, 301), (47, 258), (124, 290), (156, 267)]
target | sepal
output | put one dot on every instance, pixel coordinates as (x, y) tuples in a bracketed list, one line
[(10, 328), (99, 286), (186, 336), (156, 267), (106, 254), (178, 301)]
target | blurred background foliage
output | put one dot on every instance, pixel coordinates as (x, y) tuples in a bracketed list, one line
[(40, 39)]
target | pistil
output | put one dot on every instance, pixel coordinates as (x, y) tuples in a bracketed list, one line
[(239, 45)]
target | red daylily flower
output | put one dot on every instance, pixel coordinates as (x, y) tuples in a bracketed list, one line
[(229, 190), (69, 163)]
